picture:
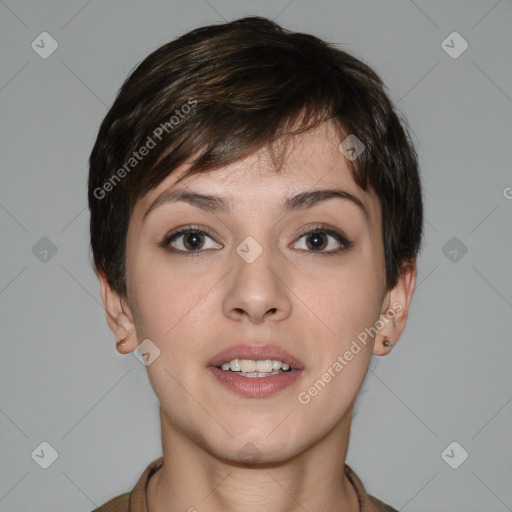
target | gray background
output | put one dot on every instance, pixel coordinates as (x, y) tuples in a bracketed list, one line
[(449, 378)]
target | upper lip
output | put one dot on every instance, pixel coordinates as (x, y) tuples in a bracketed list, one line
[(255, 352)]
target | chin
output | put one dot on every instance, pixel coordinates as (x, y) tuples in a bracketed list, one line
[(258, 449)]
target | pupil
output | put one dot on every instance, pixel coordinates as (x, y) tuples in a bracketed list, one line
[(318, 238), (197, 240)]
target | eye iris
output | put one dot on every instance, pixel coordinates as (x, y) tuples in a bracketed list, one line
[(318, 237), (197, 240)]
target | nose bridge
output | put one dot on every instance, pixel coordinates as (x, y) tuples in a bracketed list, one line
[(254, 264), (256, 286)]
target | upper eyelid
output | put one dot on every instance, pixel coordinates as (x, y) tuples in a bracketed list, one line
[(316, 227), (188, 229)]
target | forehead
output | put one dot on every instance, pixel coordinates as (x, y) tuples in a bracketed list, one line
[(310, 161)]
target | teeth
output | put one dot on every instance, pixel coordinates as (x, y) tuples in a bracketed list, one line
[(235, 366), (264, 366), (261, 368), (252, 375), (246, 365)]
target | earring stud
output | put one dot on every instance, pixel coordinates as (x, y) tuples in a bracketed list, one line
[(121, 342), (387, 343)]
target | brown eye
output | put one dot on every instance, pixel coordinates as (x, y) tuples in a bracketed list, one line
[(319, 240), (188, 240), (316, 241), (193, 241)]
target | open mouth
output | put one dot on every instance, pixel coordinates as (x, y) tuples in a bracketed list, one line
[(256, 368), (255, 371)]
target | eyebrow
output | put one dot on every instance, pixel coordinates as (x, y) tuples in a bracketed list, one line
[(210, 203)]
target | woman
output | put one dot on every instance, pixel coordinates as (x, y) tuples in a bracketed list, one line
[(256, 215)]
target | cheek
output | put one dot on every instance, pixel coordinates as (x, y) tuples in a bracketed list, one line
[(343, 347), (169, 301), (174, 312), (340, 302)]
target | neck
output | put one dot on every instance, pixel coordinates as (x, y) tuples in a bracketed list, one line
[(195, 480)]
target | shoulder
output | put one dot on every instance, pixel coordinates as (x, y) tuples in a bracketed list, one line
[(119, 504), (380, 506), (134, 501), (367, 502)]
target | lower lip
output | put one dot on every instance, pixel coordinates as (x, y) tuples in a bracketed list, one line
[(257, 387)]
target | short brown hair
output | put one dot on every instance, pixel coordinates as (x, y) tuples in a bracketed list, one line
[(223, 91)]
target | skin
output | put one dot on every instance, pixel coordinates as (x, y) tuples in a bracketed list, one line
[(312, 304)]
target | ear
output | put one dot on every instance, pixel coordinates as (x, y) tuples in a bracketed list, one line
[(119, 317), (395, 309)]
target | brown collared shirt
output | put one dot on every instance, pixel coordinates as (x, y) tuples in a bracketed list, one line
[(135, 501)]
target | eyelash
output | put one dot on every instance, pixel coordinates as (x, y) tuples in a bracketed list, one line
[(340, 238)]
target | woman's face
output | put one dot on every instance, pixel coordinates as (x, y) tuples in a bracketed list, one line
[(253, 276)]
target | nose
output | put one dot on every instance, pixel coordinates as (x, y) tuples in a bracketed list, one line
[(257, 285)]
